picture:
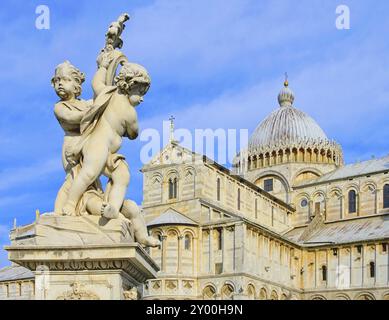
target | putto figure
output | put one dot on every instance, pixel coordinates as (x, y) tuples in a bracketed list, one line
[(112, 116), (69, 111), (93, 134)]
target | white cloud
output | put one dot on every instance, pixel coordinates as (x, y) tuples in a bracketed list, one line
[(342, 94), (182, 39)]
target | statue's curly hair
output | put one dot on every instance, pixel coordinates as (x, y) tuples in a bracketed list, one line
[(77, 75), (131, 75)]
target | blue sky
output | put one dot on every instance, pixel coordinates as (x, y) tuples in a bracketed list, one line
[(214, 64)]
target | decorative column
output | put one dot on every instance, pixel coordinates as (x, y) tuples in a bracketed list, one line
[(260, 255), (326, 199), (163, 253), (224, 250), (316, 269), (243, 248), (342, 213), (179, 253), (211, 259), (377, 192), (234, 250), (310, 205), (196, 253)]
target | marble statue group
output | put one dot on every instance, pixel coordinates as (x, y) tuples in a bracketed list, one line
[(94, 130)]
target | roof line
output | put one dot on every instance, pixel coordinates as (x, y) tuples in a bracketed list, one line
[(247, 183), (185, 216), (191, 221), (338, 179), (366, 162), (222, 168)]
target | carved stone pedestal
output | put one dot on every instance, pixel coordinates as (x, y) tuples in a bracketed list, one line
[(81, 257)]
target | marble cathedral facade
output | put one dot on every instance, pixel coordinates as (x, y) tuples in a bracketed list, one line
[(289, 222)]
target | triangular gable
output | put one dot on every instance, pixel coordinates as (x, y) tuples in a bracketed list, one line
[(172, 153), (171, 216)]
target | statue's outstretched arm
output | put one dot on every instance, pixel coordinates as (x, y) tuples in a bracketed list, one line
[(98, 82)]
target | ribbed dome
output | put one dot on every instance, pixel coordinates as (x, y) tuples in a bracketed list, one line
[(286, 125), (287, 135)]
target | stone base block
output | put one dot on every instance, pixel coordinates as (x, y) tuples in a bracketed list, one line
[(81, 257)]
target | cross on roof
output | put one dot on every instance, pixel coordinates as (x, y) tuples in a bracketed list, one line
[(171, 128)]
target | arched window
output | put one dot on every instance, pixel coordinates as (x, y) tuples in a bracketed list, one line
[(238, 199), (188, 242), (324, 273), (218, 189), (170, 188), (173, 188), (352, 201), (317, 208), (372, 269), (386, 196)]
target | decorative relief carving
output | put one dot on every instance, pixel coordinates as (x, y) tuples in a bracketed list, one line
[(171, 284), (156, 285), (88, 265), (188, 284), (78, 293), (131, 294)]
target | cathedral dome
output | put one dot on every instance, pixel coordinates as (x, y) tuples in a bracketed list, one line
[(286, 126), (288, 135)]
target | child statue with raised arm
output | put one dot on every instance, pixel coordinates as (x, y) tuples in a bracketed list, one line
[(70, 112)]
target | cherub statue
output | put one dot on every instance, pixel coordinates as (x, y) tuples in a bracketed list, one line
[(70, 111), (112, 116)]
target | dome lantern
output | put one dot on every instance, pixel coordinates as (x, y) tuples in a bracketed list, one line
[(286, 96)]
